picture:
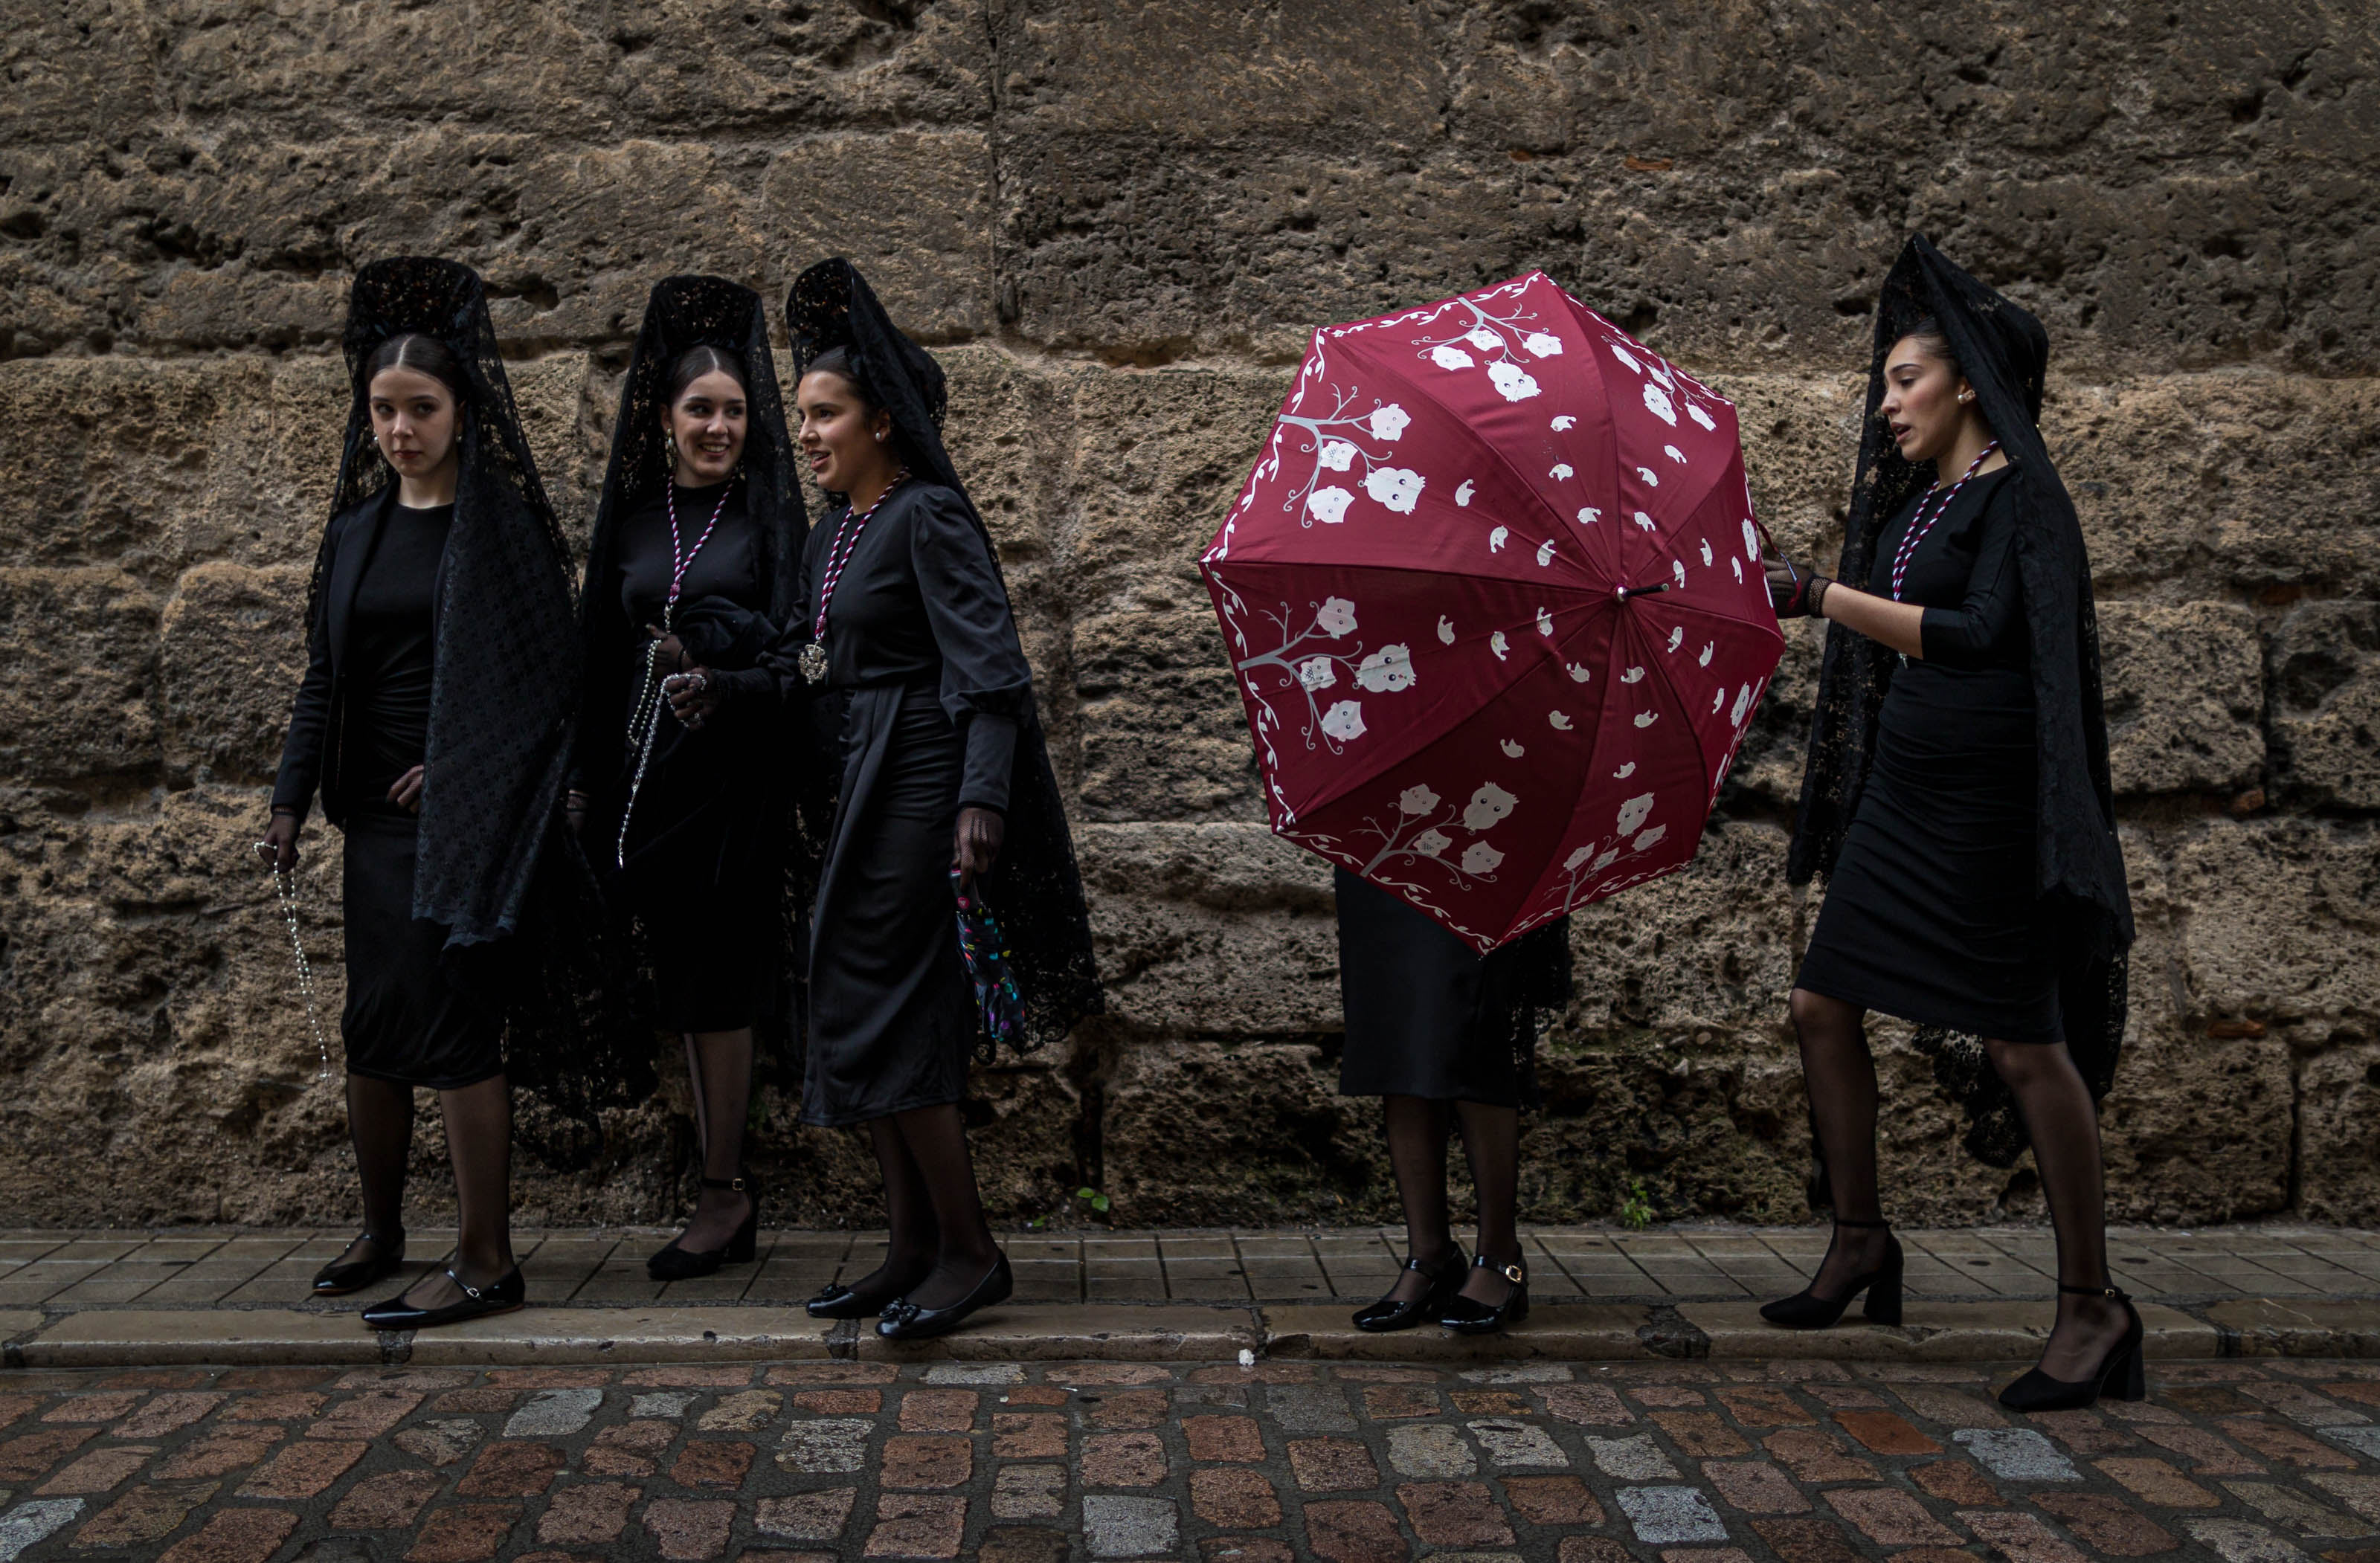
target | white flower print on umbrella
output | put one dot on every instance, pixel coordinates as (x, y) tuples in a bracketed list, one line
[(1336, 617), (1447, 355), (1513, 382), (1421, 834), (1318, 672), (1542, 343), (1479, 858), (1312, 659), (1395, 487), (1338, 441), (1387, 671), (1416, 799), (1657, 403), (1344, 721)]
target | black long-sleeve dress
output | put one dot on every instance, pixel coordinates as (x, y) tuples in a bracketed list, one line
[(1931, 912), (703, 845), (363, 721), (1426, 1015), (926, 682)]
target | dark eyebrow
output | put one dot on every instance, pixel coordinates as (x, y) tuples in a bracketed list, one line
[(1905, 363)]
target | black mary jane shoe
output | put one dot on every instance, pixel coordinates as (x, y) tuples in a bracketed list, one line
[(1440, 1282), (2119, 1376), (500, 1296), (836, 1301), (677, 1262), (903, 1320), (1467, 1315), (1806, 1309), (336, 1279)]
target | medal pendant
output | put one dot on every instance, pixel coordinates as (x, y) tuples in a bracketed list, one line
[(812, 662)]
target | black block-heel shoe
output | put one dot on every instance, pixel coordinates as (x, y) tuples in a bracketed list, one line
[(1806, 1309), (678, 1262), (1466, 1316), (336, 1279), (500, 1296), (836, 1301), (906, 1321), (1444, 1279), (2120, 1376)]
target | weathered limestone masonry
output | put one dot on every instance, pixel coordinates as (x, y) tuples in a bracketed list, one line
[(1119, 221)]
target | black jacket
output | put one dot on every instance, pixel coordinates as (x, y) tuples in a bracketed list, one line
[(310, 757)]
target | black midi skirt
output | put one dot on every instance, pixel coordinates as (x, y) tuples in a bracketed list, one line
[(406, 1021), (704, 867), (893, 1015), (1931, 912), (1426, 1014)]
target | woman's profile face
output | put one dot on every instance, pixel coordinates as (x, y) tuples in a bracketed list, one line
[(413, 418), (1921, 402), (706, 424), (839, 431)]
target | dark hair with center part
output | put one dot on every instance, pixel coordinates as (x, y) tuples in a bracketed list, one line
[(423, 354), (1934, 341), (696, 362)]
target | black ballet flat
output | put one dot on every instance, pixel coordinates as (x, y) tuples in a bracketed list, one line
[(2120, 1374), (836, 1301), (1445, 1280), (1808, 1310), (497, 1297), (1466, 1316), (903, 1320), (678, 1262), (335, 1280)]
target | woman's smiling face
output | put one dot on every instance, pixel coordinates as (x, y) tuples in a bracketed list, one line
[(706, 424), (843, 438)]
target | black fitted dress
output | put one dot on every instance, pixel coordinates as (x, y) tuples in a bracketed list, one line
[(1931, 911), (406, 1019), (702, 849), (1427, 1014), (924, 679)]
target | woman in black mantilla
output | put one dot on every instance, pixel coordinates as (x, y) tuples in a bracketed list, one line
[(683, 785), (924, 695), (438, 748), (1958, 802), (1445, 1036)]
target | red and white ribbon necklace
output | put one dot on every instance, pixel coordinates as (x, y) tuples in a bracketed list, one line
[(838, 559), (681, 563), (1921, 523)]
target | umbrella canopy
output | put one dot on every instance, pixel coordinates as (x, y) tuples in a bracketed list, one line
[(1493, 595)]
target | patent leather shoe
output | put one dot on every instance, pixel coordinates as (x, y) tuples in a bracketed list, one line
[(903, 1320), (1440, 1282), (1810, 1309), (501, 1296), (340, 1276), (1466, 1316), (2120, 1376), (678, 1262), (836, 1301)]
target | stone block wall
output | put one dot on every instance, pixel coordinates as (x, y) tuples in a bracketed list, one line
[(1118, 221)]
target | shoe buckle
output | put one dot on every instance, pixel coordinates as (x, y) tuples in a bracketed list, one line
[(475, 1293), (1514, 1274)]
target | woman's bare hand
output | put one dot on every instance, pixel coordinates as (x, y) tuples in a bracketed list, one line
[(278, 847), (694, 695), (671, 655), (979, 835), (405, 792)]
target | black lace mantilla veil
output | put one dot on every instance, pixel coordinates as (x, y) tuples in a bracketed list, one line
[(685, 312), (2085, 908), (1035, 887), (501, 705)]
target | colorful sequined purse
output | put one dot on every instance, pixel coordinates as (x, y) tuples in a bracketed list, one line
[(984, 950)]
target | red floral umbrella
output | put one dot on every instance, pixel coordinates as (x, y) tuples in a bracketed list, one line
[(1494, 598)]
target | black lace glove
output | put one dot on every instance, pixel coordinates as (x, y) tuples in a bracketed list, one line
[(1795, 593)]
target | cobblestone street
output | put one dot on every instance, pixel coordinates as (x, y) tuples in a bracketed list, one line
[(1804, 1461)]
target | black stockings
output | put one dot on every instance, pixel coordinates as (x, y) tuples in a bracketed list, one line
[(380, 1120), (2059, 1117), (1417, 1130), (941, 1245), (479, 1143), (718, 1065)]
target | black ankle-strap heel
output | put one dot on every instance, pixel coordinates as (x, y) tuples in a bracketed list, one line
[(1809, 1309), (678, 1262), (2120, 1376)]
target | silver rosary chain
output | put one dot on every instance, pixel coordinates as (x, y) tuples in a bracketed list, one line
[(286, 887)]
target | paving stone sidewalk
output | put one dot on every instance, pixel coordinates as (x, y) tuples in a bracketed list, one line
[(1811, 1462), (200, 1268)]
